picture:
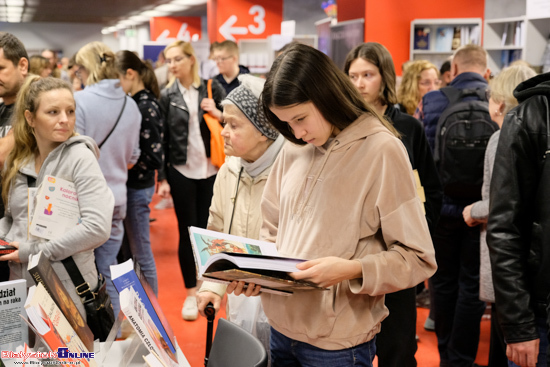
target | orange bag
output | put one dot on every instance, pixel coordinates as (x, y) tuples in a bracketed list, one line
[(217, 154)]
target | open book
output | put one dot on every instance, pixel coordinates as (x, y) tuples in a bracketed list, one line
[(224, 258)]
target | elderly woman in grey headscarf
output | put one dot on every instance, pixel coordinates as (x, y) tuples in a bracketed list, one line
[(252, 145)]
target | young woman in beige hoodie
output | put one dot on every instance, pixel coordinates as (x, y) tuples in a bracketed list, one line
[(343, 196)]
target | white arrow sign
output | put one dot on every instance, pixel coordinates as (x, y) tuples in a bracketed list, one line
[(227, 30)]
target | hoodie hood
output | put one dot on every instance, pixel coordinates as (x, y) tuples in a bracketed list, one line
[(361, 128), (108, 88), (537, 85), (53, 159)]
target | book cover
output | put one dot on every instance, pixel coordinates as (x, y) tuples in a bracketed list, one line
[(124, 276), (56, 209), (40, 268), (39, 299), (457, 40), (136, 311), (421, 38), (444, 39), (224, 257), (13, 330)]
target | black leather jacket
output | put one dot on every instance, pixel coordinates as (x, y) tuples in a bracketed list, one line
[(176, 122), (518, 232)]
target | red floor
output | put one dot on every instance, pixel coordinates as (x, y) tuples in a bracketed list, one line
[(191, 336)]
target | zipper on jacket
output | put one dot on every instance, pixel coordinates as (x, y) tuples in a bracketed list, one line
[(179, 106)]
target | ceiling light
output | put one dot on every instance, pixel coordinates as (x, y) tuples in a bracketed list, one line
[(189, 2), (139, 18), (172, 7), (14, 10), (120, 26), (112, 29), (14, 18), (128, 22), (105, 31), (154, 13), (20, 3)]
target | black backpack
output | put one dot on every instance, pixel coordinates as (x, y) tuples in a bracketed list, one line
[(463, 131)]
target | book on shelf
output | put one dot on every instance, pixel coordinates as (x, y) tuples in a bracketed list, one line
[(137, 314), (13, 330), (124, 276), (457, 41), (444, 39), (221, 257), (55, 208), (42, 272), (53, 327), (421, 38)]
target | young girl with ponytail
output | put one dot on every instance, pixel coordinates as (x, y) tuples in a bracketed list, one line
[(113, 120), (138, 80)]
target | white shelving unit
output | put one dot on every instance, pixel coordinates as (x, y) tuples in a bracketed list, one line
[(500, 39), (432, 54), (258, 54), (535, 31)]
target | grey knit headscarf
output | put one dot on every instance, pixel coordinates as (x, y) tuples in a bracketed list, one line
[(246, 97)]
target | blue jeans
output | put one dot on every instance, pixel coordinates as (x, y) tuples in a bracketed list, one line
[(457, 308), (286, 352), (543, 346), (136, 226), (105, 255)]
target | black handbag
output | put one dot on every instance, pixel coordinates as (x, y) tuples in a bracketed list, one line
[(97, 303)]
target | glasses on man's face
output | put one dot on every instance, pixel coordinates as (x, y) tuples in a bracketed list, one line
[(222, 59), (78, 73), (176, 60)]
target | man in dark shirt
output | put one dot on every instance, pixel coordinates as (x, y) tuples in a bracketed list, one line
[(226, 55), (14, 65)]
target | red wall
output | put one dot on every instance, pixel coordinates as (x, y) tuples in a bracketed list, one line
[(389, 21)]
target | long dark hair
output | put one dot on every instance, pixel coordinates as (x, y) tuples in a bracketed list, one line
[(128, 60), (303, 74), (379, 56)]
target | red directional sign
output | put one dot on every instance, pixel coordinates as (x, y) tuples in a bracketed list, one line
[(238, 19)]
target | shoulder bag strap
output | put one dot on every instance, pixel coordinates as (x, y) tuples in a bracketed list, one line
[(209, 88), (82, 287), (116, 123)]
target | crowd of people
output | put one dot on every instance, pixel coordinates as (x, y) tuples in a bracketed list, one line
[(438, 182)]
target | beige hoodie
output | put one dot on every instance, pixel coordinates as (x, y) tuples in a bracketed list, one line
[(355, 200)]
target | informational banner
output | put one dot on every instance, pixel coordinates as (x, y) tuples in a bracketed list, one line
[(169, 29), (238, 19), (344, 36)]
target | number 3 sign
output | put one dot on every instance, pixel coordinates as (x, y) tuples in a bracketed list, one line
[(241, 20)]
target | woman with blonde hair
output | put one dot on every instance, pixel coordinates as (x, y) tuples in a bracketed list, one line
[(105, 111), (419, 78), (40, 66), (188, 173), (501, 101), (46, 144)]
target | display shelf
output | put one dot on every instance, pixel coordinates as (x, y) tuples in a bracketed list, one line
[(534, 21), (432, 39)]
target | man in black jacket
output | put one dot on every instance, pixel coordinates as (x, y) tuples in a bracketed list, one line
[(518, 232)]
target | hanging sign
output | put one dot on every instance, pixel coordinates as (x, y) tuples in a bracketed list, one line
[(247, 20), (168, 29)]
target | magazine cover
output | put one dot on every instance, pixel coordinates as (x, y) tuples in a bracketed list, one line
[(56, 209)]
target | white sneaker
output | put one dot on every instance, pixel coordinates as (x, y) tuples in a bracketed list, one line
[(189, 312), (165, 203)]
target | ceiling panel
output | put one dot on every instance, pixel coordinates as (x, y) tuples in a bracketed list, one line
[(106, 12)]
